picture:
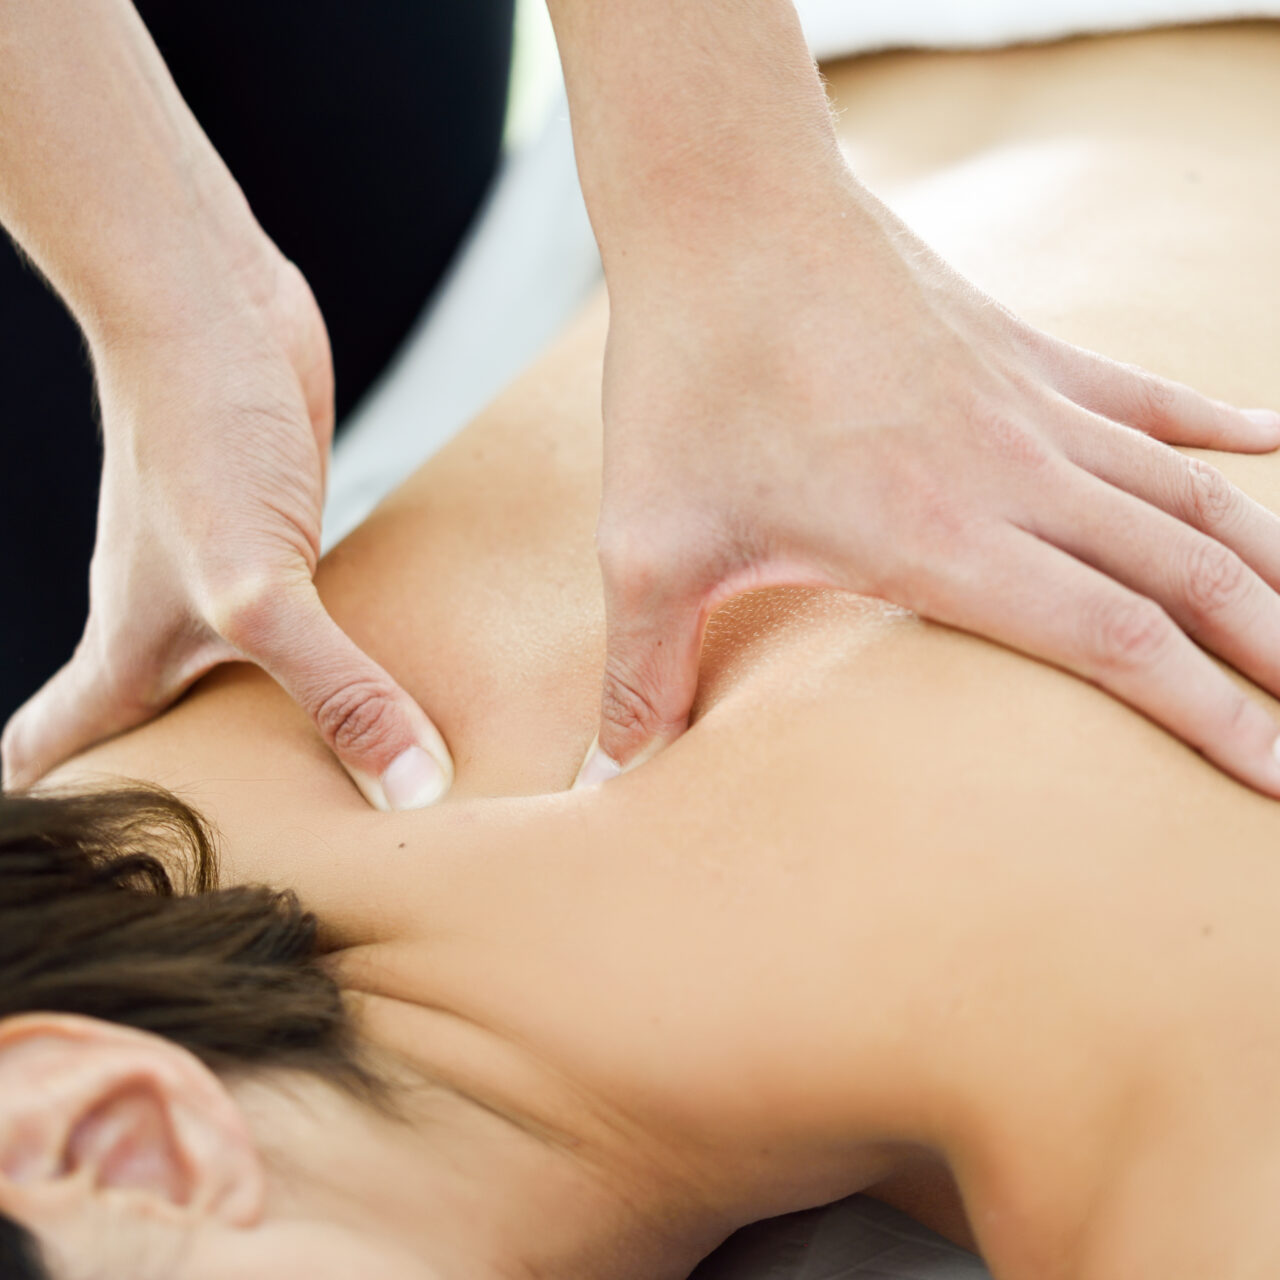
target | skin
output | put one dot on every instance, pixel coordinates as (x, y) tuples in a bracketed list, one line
[(797, 391), (215, 386), (899, 897)]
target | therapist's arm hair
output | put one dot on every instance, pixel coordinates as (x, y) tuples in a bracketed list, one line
[(107, 182)]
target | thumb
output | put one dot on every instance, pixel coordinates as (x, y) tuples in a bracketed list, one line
[(394, 754), (78, 706), (650, 676)]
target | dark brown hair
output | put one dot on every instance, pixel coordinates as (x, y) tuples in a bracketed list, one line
[(110, 908)]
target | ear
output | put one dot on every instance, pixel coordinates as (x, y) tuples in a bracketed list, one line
[(98, 1118)]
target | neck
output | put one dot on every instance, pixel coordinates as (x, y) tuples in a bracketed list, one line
[(450, 1186)]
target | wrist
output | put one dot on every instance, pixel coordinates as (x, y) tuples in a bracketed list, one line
[(239, 320), (107, 180), (212, 275), (693, 124), (821, 247), (736, 207), (204, 266)]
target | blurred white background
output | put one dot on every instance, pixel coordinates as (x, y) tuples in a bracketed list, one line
[(535, 73)]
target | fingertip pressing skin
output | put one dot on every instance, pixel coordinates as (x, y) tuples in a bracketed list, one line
[(598, 768), (413, 780), (420, 776)]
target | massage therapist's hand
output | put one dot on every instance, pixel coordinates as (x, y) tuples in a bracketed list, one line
[(216, 394), (797, 391), (845, 411), (216, 435)]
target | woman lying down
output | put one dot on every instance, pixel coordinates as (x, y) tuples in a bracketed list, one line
[(904, 911)]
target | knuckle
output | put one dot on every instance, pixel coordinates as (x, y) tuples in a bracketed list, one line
[(911, 582), (1127, 633), (937, 517), (1158, 396), (1215, 578), (627, 706), (625, 556), (1153, 399), (359, 719), (1033, 342), (1011, 441), (1240, 716), (1211, 500), (944, 550)]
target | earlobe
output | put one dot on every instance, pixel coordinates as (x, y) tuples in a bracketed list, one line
[(90, 1111)]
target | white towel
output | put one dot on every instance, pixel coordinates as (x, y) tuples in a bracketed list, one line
[(839, 27)]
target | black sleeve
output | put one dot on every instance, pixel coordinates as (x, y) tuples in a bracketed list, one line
[(365, 136)]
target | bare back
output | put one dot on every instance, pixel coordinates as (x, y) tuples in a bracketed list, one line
[(877, 829)]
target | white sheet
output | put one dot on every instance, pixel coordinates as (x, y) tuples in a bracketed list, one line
[(839, 27)]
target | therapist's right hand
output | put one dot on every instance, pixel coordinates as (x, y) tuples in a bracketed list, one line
[(216, 435)]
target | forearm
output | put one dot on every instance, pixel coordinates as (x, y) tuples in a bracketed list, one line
[(698, 124), (106, 179)]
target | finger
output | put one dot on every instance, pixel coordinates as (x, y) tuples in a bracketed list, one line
[(1205, 587), (1039, 599), (1164, 409), (655, 631), (1189, 489), (80, 705), (394, 754)]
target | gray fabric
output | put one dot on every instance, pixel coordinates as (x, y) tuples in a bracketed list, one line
[(857, 1237)]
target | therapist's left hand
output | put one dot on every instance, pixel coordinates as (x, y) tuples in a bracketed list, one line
[(845, 411)]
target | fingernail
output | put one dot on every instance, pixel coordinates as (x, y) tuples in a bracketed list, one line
[(597, 768), (413, 780), (1267, 418)]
